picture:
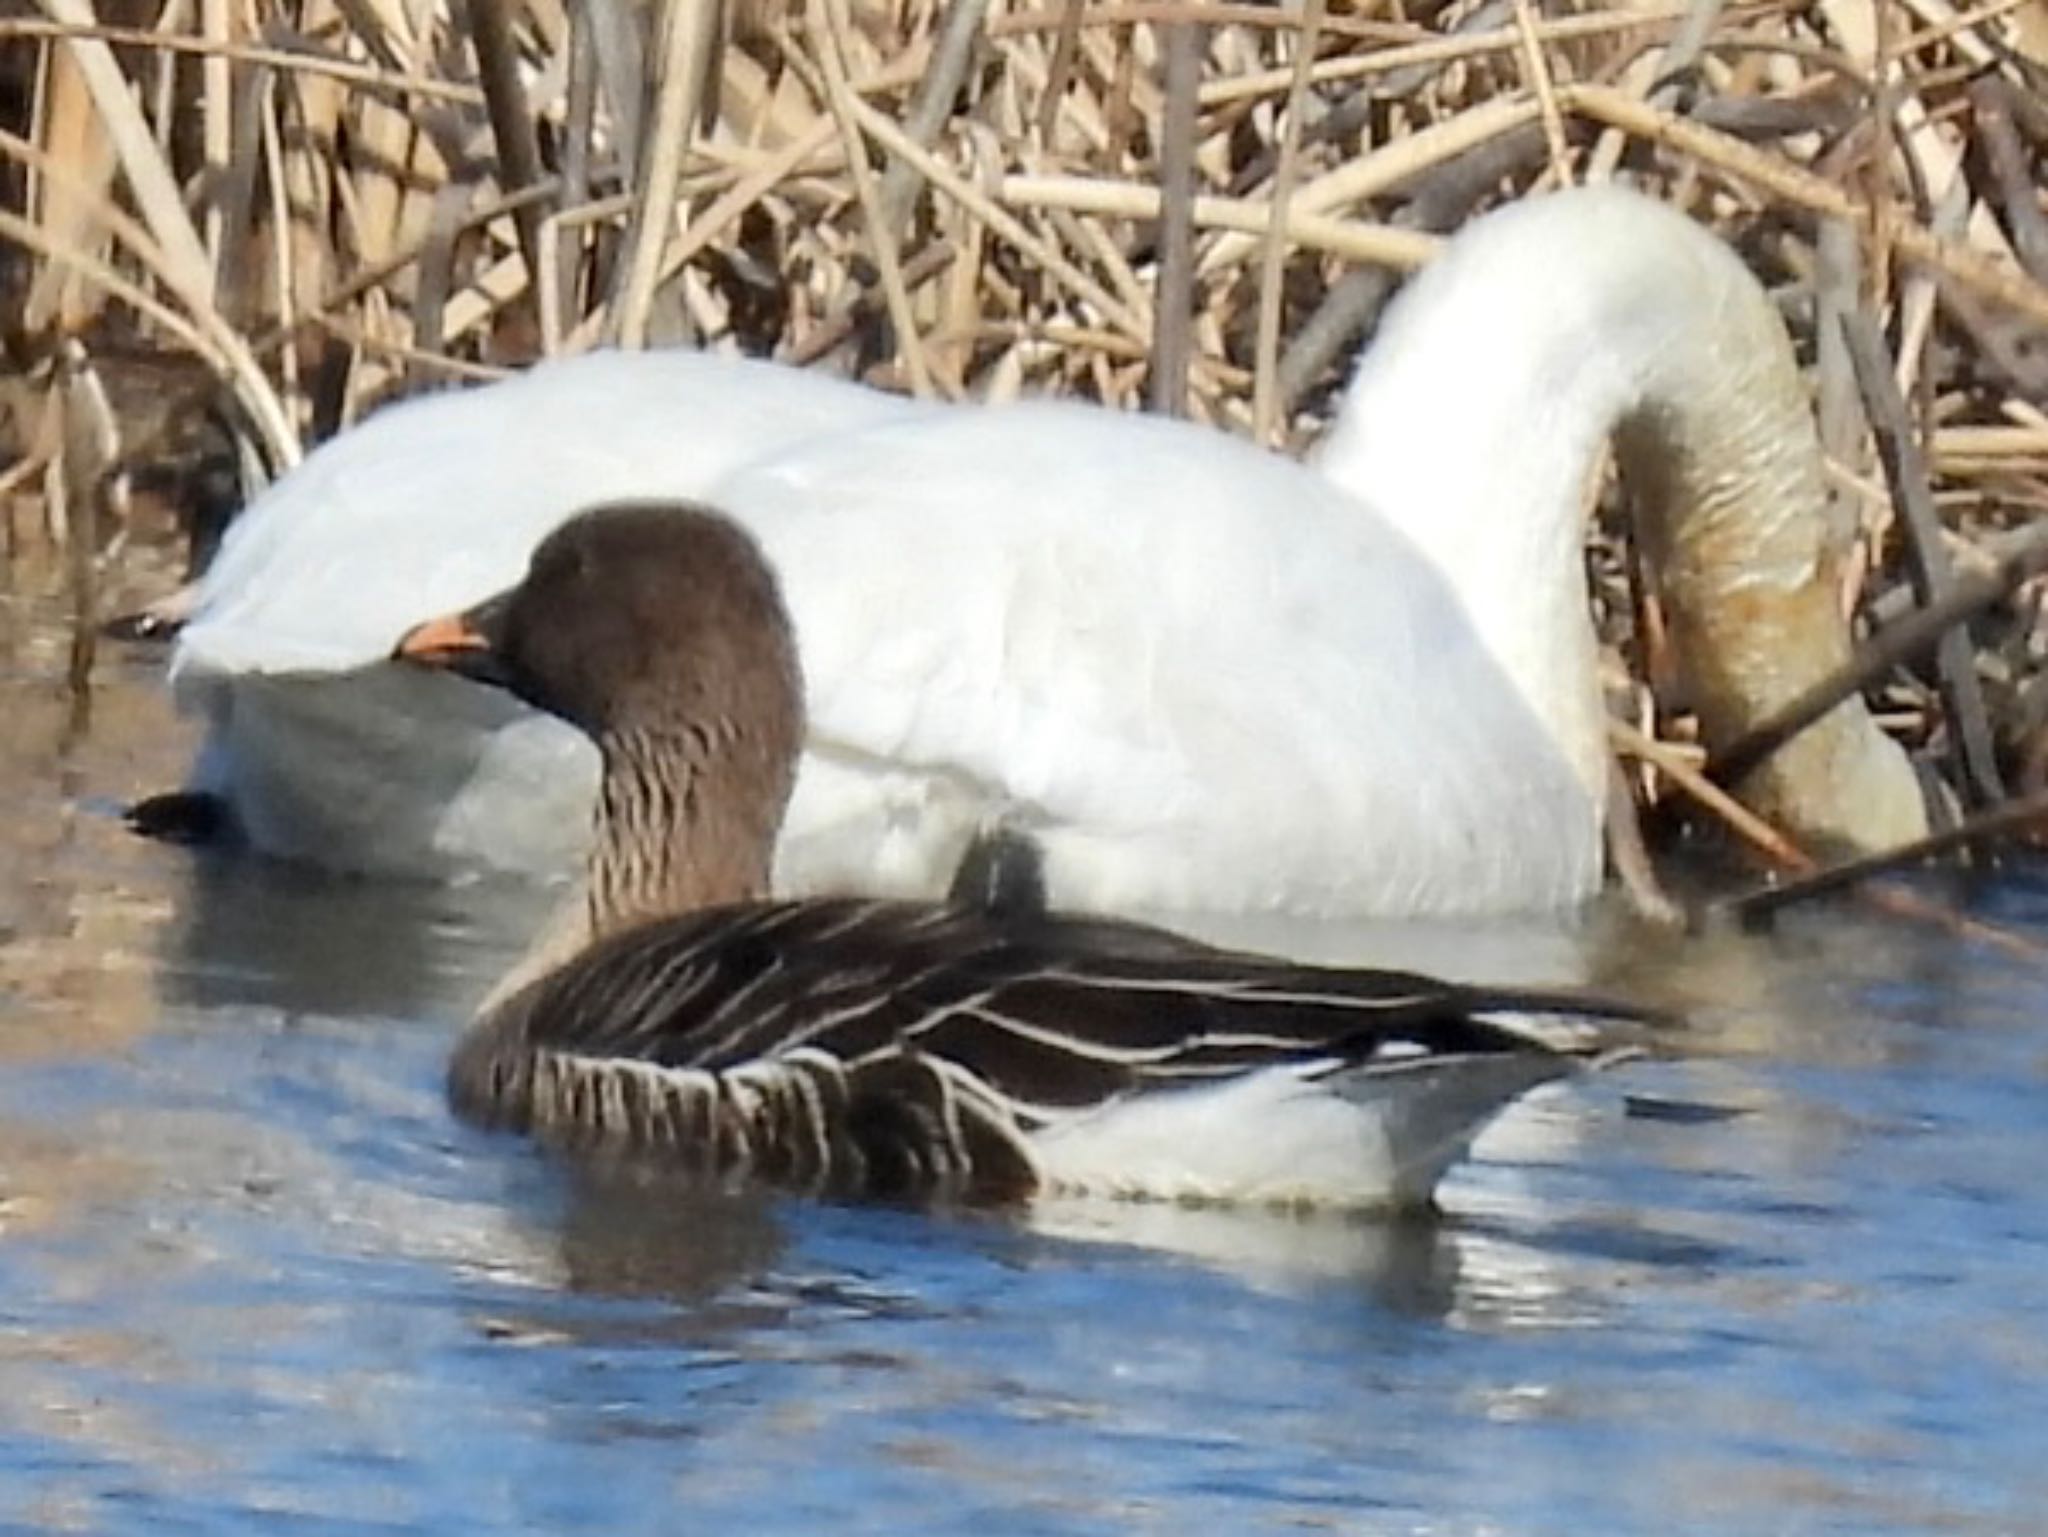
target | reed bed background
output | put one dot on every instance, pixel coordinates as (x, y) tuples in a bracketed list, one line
[(231, 227)]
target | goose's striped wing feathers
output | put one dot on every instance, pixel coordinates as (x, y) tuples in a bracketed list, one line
[(903, 1047), (848, 978)]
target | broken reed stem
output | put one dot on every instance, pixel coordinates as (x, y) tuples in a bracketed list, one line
[(1893, 646), (1003, 224), (1384, 245), (1899, 449), (1174, 302), (1273, 259), (559, 245), (91, 448), (619, 56), (1838, 403), (1814, 193), (1752, 829), (216, 117), (204, 334), (368, 77), (233, 214), (283, 278), (1978, 831), (959, 33), (688, 35), (519, 165), (2006, 159), (1452, 50), (1537, 70), (830, 23), (1060, 73)]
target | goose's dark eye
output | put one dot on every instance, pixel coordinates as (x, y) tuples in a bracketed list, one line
[(583, 568), (563, 568)]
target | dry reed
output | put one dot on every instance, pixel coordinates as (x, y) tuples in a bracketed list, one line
[(1194, 205)]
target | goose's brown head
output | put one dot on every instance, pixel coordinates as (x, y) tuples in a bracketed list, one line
[(634, 618)]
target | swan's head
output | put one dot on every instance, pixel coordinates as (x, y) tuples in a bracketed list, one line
[(632, 618)]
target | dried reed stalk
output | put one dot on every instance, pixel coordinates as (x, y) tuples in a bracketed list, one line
[(977, 200)]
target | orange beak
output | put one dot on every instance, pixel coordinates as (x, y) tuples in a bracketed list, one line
[(465, 644), (440, 642)]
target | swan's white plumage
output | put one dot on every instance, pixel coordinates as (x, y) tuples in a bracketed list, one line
[(1204, 676), (1475, 418), (330, 755), (437, 501), (1188, 698)]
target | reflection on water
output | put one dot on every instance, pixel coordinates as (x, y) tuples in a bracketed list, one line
[(254, 1279)]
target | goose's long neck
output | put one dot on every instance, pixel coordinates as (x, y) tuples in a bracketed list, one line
[(686, 818), (1478, 418)]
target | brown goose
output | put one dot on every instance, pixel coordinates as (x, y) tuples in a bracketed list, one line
[(977, 1050)]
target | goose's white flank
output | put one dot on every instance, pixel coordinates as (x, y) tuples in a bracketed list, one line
[(1203, 676)]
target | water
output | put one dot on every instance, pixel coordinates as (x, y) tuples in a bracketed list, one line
[(254, 1279)]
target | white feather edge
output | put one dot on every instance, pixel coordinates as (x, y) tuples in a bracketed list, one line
[(1302, 1134)]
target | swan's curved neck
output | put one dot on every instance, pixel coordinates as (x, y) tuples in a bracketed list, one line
[(1477, 420), (1474, 424), (686, 818)]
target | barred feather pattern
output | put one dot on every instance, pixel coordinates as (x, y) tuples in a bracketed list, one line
[(859, 1047), (659, 781)]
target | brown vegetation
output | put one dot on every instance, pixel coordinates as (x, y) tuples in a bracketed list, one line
[(303, 207)]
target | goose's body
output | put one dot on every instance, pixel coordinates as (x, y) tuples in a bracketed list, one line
[(1202, 675), (865, 1047), (974, 1050)]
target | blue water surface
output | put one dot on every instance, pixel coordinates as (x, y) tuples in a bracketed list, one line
[(254, 1278)]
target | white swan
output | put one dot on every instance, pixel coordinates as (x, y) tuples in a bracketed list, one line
[(1206, 677), (422, 508)]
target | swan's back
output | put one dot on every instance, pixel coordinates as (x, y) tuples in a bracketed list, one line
[(437, 502), (1181, 659)]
